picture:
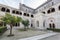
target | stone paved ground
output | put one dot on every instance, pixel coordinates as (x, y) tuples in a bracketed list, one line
[(20, 34), (56, 37)]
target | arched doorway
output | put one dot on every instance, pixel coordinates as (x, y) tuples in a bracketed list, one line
[(52, 25)]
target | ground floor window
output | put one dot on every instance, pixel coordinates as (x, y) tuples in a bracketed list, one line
[(37, 23), (2, 24), (31, 25), (16, 24)]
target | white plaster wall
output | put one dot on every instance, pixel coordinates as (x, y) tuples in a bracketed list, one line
[(55, 15), (39, 17), (23, 17)]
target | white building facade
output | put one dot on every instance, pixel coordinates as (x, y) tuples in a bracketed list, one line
[(45, 16)]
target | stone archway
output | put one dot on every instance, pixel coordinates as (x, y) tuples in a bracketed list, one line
[(51, 23)]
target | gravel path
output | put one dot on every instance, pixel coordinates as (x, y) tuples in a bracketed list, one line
[(20, 34)]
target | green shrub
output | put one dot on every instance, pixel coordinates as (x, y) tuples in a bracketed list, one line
[(55, 30), (2, 29)]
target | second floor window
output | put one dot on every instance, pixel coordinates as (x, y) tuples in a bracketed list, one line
[(24, 14), (59, 7), (3, 9), (27, 14), (32, 16), (48, 11), (20, 13), (53, 10), (17, 12), (13, 11), (7, 10), (43, 12)]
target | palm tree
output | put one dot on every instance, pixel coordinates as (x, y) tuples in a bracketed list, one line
[(26, 24), (9, 19)]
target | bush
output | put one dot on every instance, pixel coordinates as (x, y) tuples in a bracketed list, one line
[(55, 30), (49, 29), (2, 29)]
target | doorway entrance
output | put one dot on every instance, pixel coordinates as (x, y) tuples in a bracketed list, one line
[(52, 25)]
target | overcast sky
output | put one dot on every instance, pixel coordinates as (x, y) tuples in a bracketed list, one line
[(30, 3)]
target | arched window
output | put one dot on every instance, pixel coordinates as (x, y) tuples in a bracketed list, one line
[(32, 16), (13, 11), (43, 12), (1, 23), (52, 3), (48, 11), (50, 25), (24, 14), (28, 15), (53, 25), (20, 13), (59, 7), (8, 10), (37, 23), (16, 24), (52, 9), (17, 12), (3, 9)]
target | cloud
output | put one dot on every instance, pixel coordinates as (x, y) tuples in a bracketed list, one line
[(15, 3), (34, 3), (12, 3)]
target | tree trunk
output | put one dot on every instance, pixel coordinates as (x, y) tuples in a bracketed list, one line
[(24, 28), (27, 27), (10, 29)]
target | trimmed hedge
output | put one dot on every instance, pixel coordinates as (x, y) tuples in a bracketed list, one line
[(2, 30), (55, 30)]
